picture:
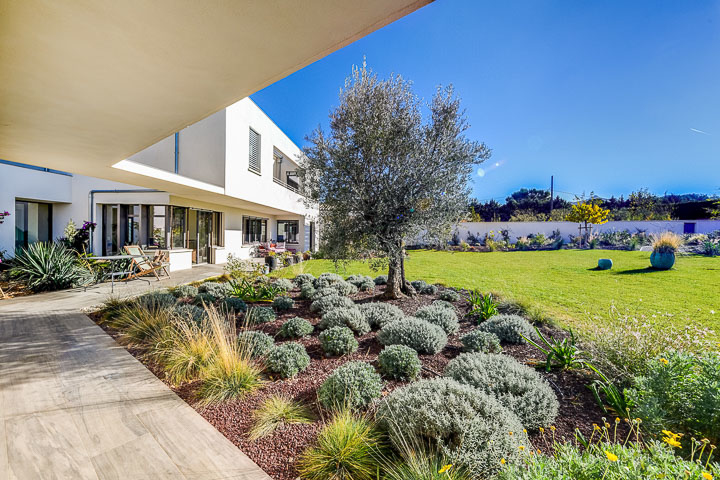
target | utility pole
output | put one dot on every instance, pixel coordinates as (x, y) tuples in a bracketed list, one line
[(552, 192)]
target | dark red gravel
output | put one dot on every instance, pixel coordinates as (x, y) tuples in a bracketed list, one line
[(278, 452)]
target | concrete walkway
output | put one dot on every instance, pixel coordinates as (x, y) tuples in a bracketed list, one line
[(76, 405)]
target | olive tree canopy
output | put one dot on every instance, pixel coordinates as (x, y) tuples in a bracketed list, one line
[(384, 173)]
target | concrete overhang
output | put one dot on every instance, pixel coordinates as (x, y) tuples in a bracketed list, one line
[(87, 83)]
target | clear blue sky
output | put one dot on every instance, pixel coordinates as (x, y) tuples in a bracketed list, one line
[(602, 94)]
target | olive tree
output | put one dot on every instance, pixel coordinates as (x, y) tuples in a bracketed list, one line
[(383, 173)]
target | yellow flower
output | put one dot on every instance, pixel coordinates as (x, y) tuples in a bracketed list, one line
[(510, 433), (445, 468), (672, 441), (707, 476), (524, 430), (669, 433), (595, 426), (502, 460), (617, 419), (664, 361), (612, 457), (542, 430), (521, 447), (552, 427)]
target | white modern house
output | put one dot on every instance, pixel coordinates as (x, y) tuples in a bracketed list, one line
[(229, 183)]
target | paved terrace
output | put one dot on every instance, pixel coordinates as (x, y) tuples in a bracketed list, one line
[(76, 405)]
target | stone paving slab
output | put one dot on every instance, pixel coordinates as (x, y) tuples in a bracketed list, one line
[(76, 405)]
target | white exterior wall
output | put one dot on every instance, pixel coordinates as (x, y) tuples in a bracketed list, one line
[(523, 229)]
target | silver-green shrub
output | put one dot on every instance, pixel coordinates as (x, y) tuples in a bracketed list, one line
[(330, 302), (344, 288), (399, 362), (257, 315), (362, 282), (182, 291), (353, 385), (283, 303), (296, 328), (156, 299), (338, 341), (327, 279), (288, 359), (189, 312), (304, 278), (257, 343), (345, 317), (449, 295), (204, 298), (420, 335), (444, 318), (307, 291), (429, 290), (323, 292), (419, 285), (444, 304), (216, 289), (234, 304), (479, 341), (471, 429), (284, 284), (379, 314), (381, 280), (509, 328), (516, 386)]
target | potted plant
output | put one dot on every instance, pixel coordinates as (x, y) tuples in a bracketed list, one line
[(271, 261), (665, 245), (297, 257), (307, 255)]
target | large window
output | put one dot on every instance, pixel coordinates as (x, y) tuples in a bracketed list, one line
[(33, 223), (254, 151), (287, 231), (177, 228), (255, 230), (218, 239), (130, 219), (155, 226)]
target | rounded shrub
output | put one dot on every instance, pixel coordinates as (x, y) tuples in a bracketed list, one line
[(204, 299), (381, 280), (257, 343), (380, 314), (189, 312), (234, 304), (284, 284), (516, 386), (325, 304), (182, 291), (338, 341), (429, 290), (216, 289), (399, 362), (353, 385), (344, 288), (509, 328), (444, 304), (444, 318), (327, 279), (157, 299), (319, 293), (288, 359), (420, 335), (304, 278), (307, 291), (479, 341), (296, 328), (471, 429), (345, 317), (362, 282), (283, 304), (257, 315), (419, 285), (449, 295)]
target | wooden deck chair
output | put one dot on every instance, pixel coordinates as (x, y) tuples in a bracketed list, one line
[(162, 258), (141, 266)]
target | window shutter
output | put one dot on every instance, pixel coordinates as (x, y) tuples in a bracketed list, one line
[(254, 151)]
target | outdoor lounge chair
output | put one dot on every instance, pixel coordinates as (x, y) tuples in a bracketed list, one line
[(141, 266)]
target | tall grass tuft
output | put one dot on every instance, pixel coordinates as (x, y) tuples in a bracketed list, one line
[(186, 353), (144, 324), (275, 411), (348, 448), (666, 242), (230, 372)]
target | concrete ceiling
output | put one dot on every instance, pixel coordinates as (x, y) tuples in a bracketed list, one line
[(87, 83)]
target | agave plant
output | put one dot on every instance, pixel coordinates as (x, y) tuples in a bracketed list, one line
[(47, 266)]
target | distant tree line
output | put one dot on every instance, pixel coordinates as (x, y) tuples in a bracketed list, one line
[(527, 205)]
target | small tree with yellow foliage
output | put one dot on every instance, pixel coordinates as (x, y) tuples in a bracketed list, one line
[(587, 214)]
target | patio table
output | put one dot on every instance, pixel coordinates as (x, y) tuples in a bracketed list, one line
[(114, 259)]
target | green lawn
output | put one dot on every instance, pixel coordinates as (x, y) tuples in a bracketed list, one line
[(565, 285)]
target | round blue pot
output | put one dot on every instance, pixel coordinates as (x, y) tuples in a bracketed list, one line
[(605, 264), (662, 260)]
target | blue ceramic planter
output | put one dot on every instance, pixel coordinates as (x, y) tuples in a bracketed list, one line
[(605, 264), (662, 260)]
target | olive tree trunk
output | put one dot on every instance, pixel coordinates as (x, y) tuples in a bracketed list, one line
[(397, 285)]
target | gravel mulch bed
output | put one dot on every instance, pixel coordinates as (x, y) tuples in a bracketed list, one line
[(278, 452)]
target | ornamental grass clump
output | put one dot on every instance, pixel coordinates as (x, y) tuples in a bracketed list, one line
[(276, 411), (186, 352), (509, 328), (399, 362), (354, 385), (141, 323), (349, 447), (449, 295), (420, 335), (479, 341), (296, 328), (257, 315), (666, 242), (469, 428), (444, 318), (329, 302), (183, 291), (379, 314), (287, 360), (255, 342), (516, 386), (338, 341), (283, 304), (345, 317)]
